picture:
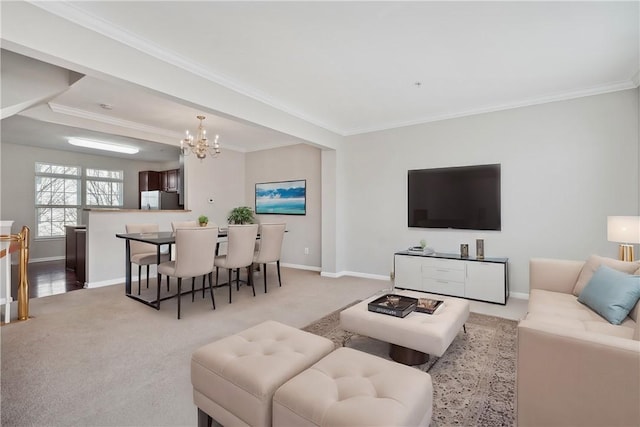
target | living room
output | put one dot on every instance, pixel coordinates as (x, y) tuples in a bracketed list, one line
[(569, 157)]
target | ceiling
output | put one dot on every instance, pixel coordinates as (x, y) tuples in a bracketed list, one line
[(348, 67)]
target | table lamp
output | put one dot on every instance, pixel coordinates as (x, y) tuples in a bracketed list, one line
[(626, 231)]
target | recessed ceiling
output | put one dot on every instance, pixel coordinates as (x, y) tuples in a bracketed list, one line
[(352, 67)]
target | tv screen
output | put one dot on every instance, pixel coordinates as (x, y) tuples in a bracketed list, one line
[(465, 197)]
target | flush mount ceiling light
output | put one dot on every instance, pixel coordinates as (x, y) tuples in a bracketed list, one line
[(107, 146)]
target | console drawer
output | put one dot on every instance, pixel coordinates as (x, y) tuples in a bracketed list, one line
[(442, 273), (441, 286)]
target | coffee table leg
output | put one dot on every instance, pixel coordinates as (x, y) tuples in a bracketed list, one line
[(407, 356)]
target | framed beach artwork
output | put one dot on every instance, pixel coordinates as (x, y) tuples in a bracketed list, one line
[(282, 198)]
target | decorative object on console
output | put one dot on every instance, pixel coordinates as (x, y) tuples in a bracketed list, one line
[(201, 146), (419, 250), (480, 248), (241, 215), (626, 231), (464, 250), (203, 220)]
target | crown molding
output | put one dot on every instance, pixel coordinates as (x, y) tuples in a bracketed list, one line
[(88, 115), (83, 114), (597, 90), (76, 15), (71, 12)]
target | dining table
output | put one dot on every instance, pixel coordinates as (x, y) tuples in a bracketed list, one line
[(159, 239)]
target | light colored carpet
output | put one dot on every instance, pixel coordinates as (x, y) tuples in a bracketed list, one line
[(473, 382), (94, 357)]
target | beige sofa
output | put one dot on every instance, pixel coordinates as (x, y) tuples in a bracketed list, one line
[(574, 368)]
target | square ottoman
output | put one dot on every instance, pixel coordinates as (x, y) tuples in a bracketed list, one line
[(352, 388), (234, 378)]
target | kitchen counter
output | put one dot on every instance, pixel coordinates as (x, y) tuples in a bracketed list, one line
[(105, 252)]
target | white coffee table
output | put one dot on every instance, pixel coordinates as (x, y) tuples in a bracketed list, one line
[(414, 337)]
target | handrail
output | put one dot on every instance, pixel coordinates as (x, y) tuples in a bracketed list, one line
[(22, 239)]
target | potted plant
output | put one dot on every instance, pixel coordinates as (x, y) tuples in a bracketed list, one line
[(241, 215), (203, 220)]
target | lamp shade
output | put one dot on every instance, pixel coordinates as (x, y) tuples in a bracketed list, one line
[(623, 229)]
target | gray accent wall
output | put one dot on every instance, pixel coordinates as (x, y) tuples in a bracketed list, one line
[(566, 166), (285, 164)]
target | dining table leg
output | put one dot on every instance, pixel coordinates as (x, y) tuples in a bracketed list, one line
[(127, 280)]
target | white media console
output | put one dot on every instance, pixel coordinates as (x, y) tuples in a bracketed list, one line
[(483, 279)]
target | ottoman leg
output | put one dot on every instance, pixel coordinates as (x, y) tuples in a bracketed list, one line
[(407, 356)]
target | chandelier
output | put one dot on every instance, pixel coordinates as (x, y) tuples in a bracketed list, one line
[(200, 147)]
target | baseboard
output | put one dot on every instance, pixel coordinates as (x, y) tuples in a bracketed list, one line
[(354, 274), (366, 275), (46, 259), (110, 282), (301, 267), (519, 295), (331, 275)]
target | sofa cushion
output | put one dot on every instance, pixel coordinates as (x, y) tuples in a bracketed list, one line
[(564, 311), (595, 261), (611, 293)]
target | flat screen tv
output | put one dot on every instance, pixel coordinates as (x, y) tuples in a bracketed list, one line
[(466, 197)]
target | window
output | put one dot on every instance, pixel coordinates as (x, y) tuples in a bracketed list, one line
[(57, 198), (103, 187), (58, 195)]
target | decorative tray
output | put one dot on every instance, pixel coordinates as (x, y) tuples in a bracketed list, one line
[(428, 305), (393, 305)]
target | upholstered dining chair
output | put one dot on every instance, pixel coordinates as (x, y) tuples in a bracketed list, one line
[(194, 257), (241, 240), (190, 224), (183, 224), (271, 236), (144, 253)]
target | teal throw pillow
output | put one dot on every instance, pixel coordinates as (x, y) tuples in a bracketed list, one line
[(611, 293)]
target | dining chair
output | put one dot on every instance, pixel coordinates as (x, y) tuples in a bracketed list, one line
[(194, 257), (183, 224), (190, 224), (240, 247), (144, 253), (271, 236)]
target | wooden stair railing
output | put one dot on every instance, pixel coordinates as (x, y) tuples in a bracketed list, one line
[(20, 242)]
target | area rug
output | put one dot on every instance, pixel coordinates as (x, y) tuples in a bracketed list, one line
[(473, 382)]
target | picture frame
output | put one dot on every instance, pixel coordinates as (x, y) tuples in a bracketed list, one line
[(281, 197)]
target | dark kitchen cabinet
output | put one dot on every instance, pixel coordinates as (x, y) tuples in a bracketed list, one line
[(149, 181), (170, 180)]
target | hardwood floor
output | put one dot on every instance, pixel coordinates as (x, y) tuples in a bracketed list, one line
[(45, 279)]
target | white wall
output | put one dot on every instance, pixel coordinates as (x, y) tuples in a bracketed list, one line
[(285, 164), (17, 187), (565, 167), (221, 179)]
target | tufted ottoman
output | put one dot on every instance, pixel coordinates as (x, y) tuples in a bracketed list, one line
[(352, 388), (414, 337), (234, 378)]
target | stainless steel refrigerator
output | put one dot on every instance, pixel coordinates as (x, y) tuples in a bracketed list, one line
[(151, 200)]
